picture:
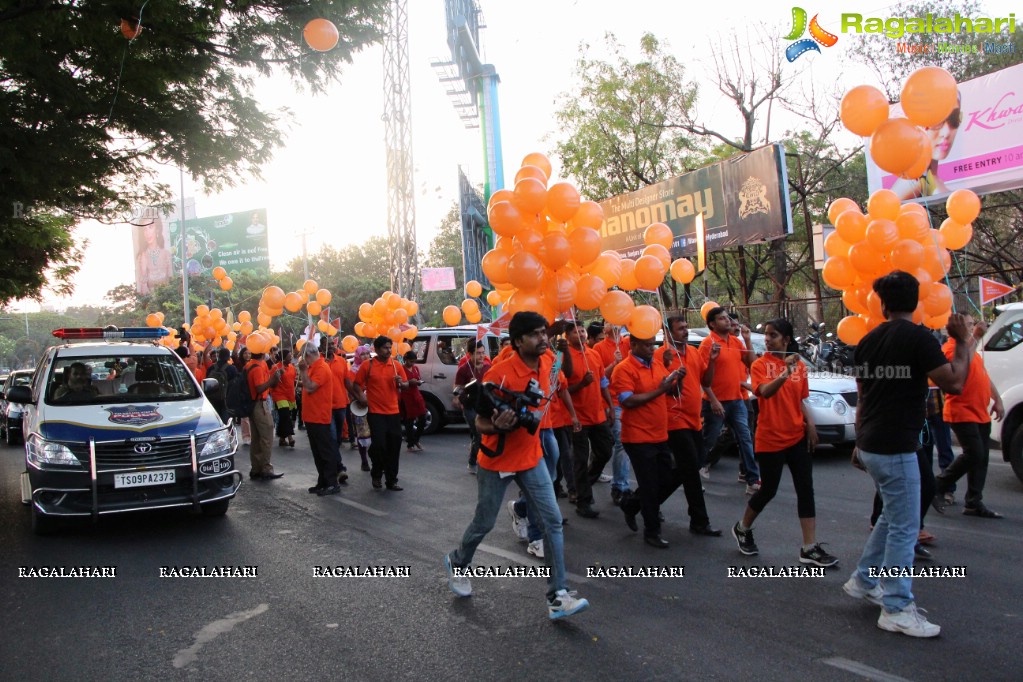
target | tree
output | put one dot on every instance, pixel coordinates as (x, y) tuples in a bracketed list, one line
[(87, 114)]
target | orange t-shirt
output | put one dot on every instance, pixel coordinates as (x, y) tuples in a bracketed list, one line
[(257, 374), (685, 411), (377, 380), (521, 449), (972, 405), (505, 353), (588, 401), (780, 423), (556, 414), (285, 388), (316, 406), (729, 369), (647, 423), (339, 368)]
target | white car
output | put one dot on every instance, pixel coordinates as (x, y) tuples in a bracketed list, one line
[(1002, 348)]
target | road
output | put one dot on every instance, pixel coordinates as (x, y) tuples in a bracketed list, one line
[(287, 624)]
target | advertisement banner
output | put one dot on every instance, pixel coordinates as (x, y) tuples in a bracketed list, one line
[(744, 200), (234, 241), (979, 146), (438, 279)]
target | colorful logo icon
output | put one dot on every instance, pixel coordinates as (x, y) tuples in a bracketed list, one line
[(818, 34)]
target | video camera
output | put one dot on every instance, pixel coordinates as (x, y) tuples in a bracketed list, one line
[(501, 398)]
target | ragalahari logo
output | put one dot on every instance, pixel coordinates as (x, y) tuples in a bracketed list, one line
[(819, 35)]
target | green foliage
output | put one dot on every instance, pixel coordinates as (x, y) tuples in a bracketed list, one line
[(85, 115)]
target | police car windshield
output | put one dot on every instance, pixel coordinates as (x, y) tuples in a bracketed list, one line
[(101, 380)]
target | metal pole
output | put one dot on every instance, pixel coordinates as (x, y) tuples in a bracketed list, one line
[(305, 273), (184, 236)]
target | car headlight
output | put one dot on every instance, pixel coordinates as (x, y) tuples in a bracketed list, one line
[(840, 407), (41, 452), (819, 399), (222, 442)]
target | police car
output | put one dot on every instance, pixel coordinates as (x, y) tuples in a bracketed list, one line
[(116, 424)]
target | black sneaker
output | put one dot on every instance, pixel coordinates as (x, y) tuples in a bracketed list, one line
[(330, 490), (745, 540), (616, 496), (817, 556), (920, 553)]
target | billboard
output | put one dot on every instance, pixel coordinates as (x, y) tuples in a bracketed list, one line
[(234, 241), (743, 199), (979, 146), (150, 239)]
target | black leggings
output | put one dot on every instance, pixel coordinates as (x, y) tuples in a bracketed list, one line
[(800, 466)]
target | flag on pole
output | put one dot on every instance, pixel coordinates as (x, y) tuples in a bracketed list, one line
[(481, 331), (990, 290)]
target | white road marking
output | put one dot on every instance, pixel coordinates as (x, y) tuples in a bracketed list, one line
[(213, 630), (361, 507), (866, 671)]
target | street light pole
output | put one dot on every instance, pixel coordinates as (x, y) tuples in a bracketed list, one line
[(184, 235)]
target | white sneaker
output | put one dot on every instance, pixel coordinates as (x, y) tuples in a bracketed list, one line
[(459, 584), (605, 478), (910, 621), (853, 588), (705, 473), (563, 604), (520, 526), (536, 548)]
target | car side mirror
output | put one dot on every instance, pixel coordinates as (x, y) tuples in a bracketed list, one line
[(20, 394), (209, 385)]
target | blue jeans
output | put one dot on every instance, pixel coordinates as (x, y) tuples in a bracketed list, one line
[(550, 458), (940, 437), (536, 484), (738, 421), (891, 543), (619, 459)]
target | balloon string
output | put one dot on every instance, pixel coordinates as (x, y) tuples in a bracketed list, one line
[(124, 57), (582, 346), (937, 251), (969, 298)]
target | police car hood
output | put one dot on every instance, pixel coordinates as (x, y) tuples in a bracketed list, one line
[(114, 421)]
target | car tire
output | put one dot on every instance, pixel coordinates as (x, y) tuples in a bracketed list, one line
[(42, 524), (1016, 452), (215, 509), (434, 418), (10, 437)]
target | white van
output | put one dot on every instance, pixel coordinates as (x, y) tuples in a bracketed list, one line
[(1003, 356), (113, 426)]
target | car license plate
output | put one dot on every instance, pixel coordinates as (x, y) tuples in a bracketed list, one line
[(143, 478)]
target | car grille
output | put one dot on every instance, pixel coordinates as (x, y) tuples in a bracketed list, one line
[(122, 454), (851, 398)]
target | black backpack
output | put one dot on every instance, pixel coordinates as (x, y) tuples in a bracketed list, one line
[(239, 397), (218, 372)]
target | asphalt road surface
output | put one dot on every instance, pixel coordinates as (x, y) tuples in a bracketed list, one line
[(287, 624)]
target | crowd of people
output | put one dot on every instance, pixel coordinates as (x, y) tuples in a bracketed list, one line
[(593, 396)]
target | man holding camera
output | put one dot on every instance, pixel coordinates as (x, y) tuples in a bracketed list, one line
[(511, 449)]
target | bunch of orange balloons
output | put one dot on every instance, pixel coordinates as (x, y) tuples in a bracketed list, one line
[(900, 146), (452, 314), (220, 275), (387, 316), (892, 236)]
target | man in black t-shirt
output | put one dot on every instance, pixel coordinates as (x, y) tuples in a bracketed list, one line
[(894, 362)]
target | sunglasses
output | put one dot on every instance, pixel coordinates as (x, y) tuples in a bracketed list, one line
[(954, 119)]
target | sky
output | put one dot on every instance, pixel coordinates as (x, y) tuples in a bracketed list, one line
[(329, 177)]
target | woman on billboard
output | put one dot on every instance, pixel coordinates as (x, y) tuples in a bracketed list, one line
[(152, 257), (942, 136)]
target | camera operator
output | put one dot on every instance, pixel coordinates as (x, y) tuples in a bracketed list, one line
[(511, 450)]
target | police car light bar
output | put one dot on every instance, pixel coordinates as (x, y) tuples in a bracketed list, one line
[(69, 334)]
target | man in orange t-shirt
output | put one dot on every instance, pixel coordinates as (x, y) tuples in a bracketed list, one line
[(725, 401), (378, 384), (612, 348), (641, 384), (317, 400), (261, 420), (283, 395), (969, 415), (341, 372), (511, 451)]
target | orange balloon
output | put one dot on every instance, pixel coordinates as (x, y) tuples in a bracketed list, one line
[(524, 270), (939, 300), (313, 308), (963, 206), (851, 226), (152, 320), (554, 250), (525, 300), (707, 307), (939, 322), (585, 245), (923, 161), (937, 261), (907, 255), (202, 310), (493, 298), (658, 251), (883, 204), (226, 283), (874, 305), (321, 35), (913, 225), (617, 307), (323, 297), (255, 343), (527, 240), (559, 291), (530, 196), (499, 195), (590, 214), (495, 266), (682, 271), (264, 320), (219, 273), (563, 201), (590, 291), (506, 244), (349, 344), (470, 305), (473, 316), (863, 109), (895, 145), (840, 206), (401, 316), (530, 171), (130, 28), (852, 329), (452, 315), (310, 287), (838, 273), (645, 322), (649, 272), (865, 259), (851, 300), (659, 233), (505, 219), (882, 235), (540, 161), (956, 236), (929, 95), (912, 207), (366, 312), (246, 328), (628, 279), (393, 301), (608, 268), (834, 245), (292, 302), (473, 288)]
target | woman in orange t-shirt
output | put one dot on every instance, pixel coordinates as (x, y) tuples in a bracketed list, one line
[(785, 435)]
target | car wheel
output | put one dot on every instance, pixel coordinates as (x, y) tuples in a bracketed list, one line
[(42, 524), (1016, 452), (218, 508), (434, 418), (10, 437)]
